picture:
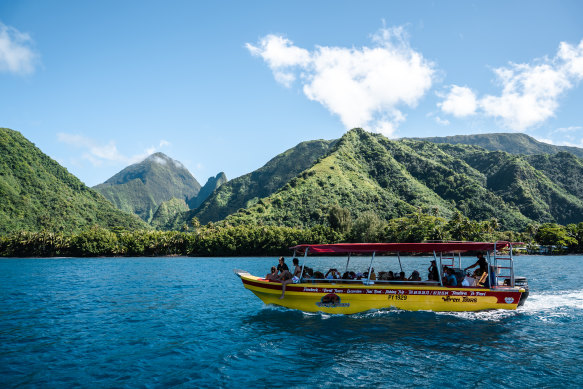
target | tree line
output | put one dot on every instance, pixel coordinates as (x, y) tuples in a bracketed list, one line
[(222, 239)]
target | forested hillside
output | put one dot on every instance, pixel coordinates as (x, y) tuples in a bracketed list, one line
[(248, 189), (140, 188), (366, 172), (36, 193)]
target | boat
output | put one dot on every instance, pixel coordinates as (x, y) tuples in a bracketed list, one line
[(497, 288)]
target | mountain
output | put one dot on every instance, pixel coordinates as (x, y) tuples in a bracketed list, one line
[(37, 193), (248, 189), (367, 172), (511, 143), (168, 214), (211, 185), (140, 188)]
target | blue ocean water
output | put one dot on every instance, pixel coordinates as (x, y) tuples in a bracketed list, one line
[(188, 322)]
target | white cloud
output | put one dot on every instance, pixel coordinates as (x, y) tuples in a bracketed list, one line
[(443, 122), (16, 53), (530, 92), (460, 102), (365, 86), (98, 153)]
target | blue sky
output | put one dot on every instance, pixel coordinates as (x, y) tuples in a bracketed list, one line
[(226, 86)]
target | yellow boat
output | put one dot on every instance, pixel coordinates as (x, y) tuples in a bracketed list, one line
[(499, 289)]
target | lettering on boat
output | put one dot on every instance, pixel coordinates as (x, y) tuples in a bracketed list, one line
[(469, 299), (452, 299), (458, 293), (310, 289), (426, 292), (331, 300), (400, 297)]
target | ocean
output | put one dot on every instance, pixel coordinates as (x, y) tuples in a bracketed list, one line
[(188, 322)]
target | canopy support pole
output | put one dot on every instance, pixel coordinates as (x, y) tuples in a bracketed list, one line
[(438, 268), (370, 268), (347, 262), (399, 258), (303, 263)]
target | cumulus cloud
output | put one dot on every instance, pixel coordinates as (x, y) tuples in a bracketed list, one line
[(460, 102), (530, 92), (98, 153), (365, 87), (16, 53)]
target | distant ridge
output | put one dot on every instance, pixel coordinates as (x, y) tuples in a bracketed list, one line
[(513, 143)]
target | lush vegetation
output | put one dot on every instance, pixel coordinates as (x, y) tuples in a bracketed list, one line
[(365, 172), (226, 240), (246, 190), (140, 188), (36, 193)]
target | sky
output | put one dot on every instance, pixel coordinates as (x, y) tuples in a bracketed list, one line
[(228, 85)]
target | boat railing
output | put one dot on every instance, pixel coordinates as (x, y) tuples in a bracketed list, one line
[(366, 282)]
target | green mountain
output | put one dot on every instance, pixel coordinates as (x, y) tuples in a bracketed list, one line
[(211, 185), (248, 189), (168, 214), (367, 172), (37, 193), (511, 143), (140, 188)]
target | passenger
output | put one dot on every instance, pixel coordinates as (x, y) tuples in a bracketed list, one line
[(402, 276), (482, 263), (318, 275), (333, 274), (433, 274), (373, 275), (414, 276), (273, 275), (450, 279), (281, 267), (391, 276), (295, 277), (469, 280)]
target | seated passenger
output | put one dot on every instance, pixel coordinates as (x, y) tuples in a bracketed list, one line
[(373, 275), (450, 279), (402, 276), (414, 276), (333, 274), (390, 276), (469, 280), (295, 277), (433, 274), (273, 275)]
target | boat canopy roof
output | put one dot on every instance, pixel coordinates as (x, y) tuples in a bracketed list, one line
[(447, 247)]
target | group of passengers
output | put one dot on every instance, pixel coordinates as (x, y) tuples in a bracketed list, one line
[(282, 274)]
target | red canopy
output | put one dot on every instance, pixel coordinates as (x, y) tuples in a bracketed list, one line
[(449, 247)]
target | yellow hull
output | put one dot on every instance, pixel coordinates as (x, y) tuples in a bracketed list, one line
[(348, 298)]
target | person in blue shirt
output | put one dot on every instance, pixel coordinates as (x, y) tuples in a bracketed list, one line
[(450, 279)]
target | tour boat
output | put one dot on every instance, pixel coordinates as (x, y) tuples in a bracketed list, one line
[(499, 288)]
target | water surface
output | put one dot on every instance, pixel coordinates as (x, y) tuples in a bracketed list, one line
[(188, 322)]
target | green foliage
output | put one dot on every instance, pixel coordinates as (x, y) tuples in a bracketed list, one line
[(340, 219), (552, 234), (140, 188), (37, 194)]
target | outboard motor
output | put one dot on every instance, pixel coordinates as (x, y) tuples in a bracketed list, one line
[(521, 282)]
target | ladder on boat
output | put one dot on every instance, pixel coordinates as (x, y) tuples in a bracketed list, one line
[(503, 266)]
